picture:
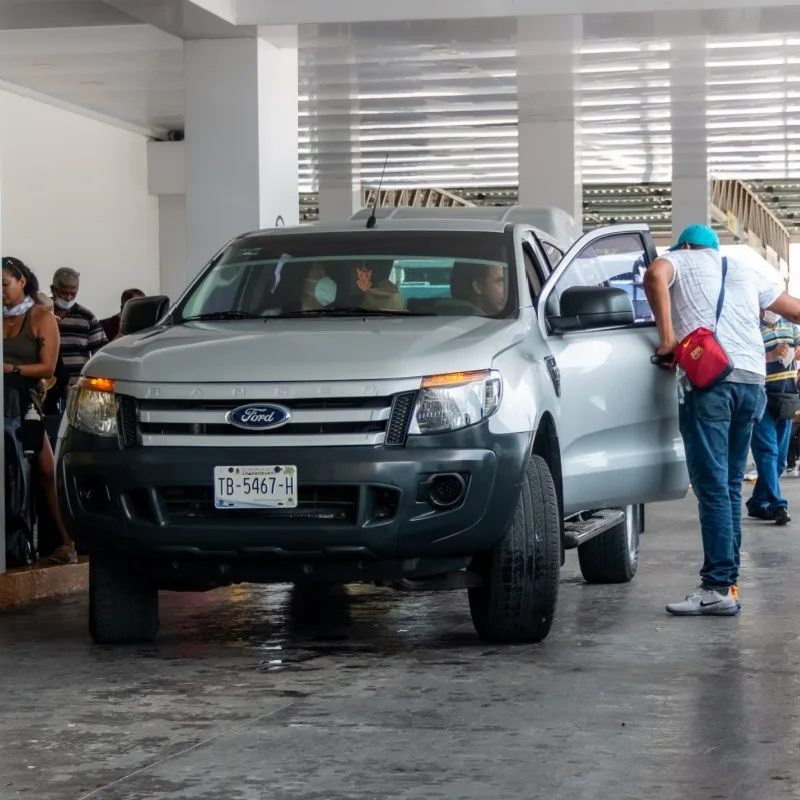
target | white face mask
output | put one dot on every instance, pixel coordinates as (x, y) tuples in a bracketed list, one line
[(771, 318), (64, 305), (18, 310), (325, 291)]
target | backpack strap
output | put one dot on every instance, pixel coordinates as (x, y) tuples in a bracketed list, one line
[(721, 300)]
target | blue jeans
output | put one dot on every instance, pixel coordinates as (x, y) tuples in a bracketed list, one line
[(770, 449), (716, 426)]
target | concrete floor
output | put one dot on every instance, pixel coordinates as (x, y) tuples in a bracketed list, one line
[(258, 693)]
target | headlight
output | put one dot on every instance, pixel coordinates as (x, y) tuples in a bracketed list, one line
[(93, 407), (457, 400)]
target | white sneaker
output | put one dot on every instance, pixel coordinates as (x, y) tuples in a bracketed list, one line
[(706, 602)]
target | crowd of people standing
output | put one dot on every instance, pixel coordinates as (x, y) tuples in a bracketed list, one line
[(47, 340)]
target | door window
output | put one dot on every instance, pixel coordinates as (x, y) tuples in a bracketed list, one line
[(532, 271), (554, 255), (616, 260)]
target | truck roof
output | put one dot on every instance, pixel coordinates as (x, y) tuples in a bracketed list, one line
[(555, 222), (552, 224)]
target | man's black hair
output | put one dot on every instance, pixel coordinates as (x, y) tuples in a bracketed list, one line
[(462, 278), (130, 294)]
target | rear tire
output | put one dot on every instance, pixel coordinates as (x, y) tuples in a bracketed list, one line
[(518, 597), (613, 556), (123, 603)]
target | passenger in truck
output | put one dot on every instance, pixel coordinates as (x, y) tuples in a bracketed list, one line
[(481, 285), (381, 294), (302, 287)]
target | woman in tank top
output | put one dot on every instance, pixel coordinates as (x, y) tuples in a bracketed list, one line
[(30, 349)]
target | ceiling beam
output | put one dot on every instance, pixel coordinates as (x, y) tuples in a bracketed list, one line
[(269, 12), (206, 19), (64, 105)]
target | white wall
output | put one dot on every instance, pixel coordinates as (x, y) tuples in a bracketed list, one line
[(74, 194), (172, 238)]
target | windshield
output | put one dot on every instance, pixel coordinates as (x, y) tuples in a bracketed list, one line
[(358, 273)]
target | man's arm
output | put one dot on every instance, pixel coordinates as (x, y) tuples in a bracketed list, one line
[(788, 307), (657, 280), (97, 336)]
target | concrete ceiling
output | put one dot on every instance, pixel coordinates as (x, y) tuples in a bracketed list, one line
[(442, 96)]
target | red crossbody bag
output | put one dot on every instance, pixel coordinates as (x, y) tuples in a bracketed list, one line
[(700, 355)]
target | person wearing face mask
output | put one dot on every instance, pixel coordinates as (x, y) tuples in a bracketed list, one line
[(772, 434), (30, 351), (319, 291), (82, 334)]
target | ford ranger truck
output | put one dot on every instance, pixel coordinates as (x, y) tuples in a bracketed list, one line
[(449, 398)]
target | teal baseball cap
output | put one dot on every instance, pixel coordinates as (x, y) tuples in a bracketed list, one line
[(699, 236)]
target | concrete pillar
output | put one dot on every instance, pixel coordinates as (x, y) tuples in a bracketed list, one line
[(241, 138), (690, 186), (338, 199), (550, 172), (550, 166), (166, 180), (335, 132)]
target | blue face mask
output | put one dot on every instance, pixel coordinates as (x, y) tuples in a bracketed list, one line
[(18, 310), (64, 305)]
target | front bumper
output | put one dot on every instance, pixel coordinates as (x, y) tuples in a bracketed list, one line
[(356, 503)]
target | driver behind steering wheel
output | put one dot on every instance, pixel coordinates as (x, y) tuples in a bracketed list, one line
[(481, 285)]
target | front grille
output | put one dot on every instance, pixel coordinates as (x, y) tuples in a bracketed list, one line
[(310, 429), (127, 421), (398, 422), (322, 504), (315, 421), (306, 404)]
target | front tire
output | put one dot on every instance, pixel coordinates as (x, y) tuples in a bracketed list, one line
[(517, 599), (123, 603), (613, 556)]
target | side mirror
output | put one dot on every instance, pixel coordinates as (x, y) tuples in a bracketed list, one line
[(143, 313), (587, 307)]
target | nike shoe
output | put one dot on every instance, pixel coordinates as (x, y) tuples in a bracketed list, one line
[(705, 602)]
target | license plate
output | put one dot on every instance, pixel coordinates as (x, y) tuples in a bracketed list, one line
[(255, 487)]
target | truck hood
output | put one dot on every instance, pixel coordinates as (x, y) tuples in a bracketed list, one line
[(287, 351)]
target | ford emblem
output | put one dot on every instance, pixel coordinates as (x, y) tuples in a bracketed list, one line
[(259, 416)]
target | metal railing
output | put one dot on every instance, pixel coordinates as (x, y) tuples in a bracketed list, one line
[(749, 219)]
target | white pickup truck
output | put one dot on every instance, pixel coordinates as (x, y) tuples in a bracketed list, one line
[(444, 397)]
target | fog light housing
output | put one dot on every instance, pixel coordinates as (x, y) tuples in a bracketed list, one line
[(446, 490)]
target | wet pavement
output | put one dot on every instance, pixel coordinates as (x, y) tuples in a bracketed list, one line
[(365, 693)]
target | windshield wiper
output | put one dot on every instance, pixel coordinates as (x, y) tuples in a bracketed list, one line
[(211, 315), (353, 311)]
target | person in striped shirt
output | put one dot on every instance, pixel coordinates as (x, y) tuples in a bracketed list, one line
[(770, 442), (82, 335)]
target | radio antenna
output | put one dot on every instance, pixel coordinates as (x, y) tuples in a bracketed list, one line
[(372, 219)]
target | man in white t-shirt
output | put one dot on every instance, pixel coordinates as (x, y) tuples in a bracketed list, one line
[(683, 288)]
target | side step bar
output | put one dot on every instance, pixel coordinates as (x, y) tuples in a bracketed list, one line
[(578, 531)]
